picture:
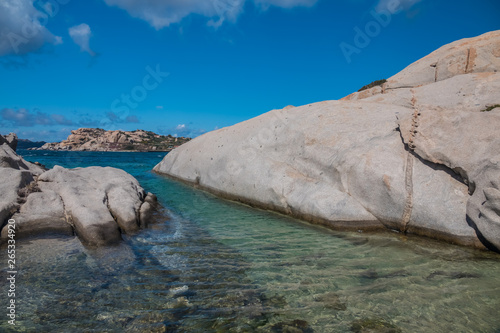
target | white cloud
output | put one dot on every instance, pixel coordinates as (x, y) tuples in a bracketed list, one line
[(162, 13), (181, 130), (22, 27), (399, 5), (25, 118), (80, 34)]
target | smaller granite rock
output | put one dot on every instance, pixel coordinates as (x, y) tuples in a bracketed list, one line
[(124, 199), (42, 213), (15, 173), (12, 141), (149, 206), (146, 213), (9, 159), (12, 181), (95, 202), (100, 201), (151, 198)]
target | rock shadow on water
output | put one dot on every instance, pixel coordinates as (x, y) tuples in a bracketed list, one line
[(372, 274), (452, 275)]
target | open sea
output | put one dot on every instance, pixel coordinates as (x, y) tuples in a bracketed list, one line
[(218, 266)]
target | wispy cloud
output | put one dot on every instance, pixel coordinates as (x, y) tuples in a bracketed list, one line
[(398, 5), (22, 117), (116, 119), (22, 27), (88, 121), (80, 34), (162, 13), (132, 120), (45, 135), (285, 3), (25, 118)]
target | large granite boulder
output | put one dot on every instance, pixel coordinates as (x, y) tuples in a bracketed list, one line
[(96, 203), (419, 154)]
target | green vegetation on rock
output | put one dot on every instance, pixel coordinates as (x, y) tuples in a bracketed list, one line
[(373, 84), (490, 107)]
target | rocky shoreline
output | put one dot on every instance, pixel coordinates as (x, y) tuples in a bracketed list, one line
[(97, 204), (97, 139), (418, 154)]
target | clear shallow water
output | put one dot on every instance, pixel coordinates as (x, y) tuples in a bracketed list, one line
[(216, 266)]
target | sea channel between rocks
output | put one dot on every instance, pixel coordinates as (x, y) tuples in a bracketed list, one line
[(221, 266)]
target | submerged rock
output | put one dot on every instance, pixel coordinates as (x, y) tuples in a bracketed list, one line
[(416, 155), (273, 301), (332, 301), (296, 326), (373, 325), (96, 203)]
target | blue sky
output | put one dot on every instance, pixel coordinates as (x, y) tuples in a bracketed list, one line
[(185, 67)]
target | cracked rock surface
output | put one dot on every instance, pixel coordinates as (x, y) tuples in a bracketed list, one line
[(96, 203), (418, 154)]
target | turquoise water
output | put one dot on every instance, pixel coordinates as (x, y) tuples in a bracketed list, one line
[(217, 266)]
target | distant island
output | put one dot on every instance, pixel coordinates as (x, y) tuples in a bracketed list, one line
[(97, 139), (27, 144)]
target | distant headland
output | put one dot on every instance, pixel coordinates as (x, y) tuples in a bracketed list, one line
[(97, 139)]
